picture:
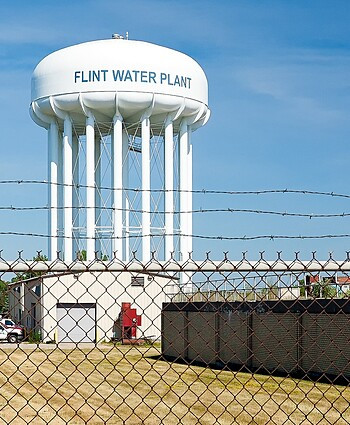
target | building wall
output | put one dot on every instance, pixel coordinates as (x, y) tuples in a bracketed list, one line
[(24, 303), (107, 290), (289, 293), (15, 304)]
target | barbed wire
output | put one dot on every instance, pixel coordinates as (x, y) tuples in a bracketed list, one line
[(195, 211), (229, 238), (195, 191)]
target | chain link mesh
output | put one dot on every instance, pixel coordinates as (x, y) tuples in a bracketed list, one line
[(193, 342)]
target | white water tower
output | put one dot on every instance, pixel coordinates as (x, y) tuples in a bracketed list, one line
[(119, 115)]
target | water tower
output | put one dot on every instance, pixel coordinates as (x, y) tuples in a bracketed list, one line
[(119, 115)]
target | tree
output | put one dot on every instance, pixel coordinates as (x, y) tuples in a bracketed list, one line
[(321, 289), (30, 274), (3, 296), (329, 292), (302, 287), (81, 255)]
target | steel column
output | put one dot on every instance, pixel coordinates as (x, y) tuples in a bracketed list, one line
[(125, 200), (183, 137), (60, 190), (53, 189), (146, 186), (117, 179), (98, 199), (68, 189), (90, 189), (76, 234), (169, 188), (189, 189)]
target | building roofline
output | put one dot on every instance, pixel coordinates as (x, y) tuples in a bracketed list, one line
[(44, 276)]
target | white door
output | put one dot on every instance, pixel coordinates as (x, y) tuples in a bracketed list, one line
[(76, 322)]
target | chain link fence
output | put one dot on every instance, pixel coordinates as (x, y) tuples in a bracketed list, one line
[(191, 342)]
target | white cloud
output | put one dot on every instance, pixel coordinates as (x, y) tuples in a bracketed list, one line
[(308, 88)]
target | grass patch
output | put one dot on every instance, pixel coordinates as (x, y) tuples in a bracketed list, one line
[(121, 384)]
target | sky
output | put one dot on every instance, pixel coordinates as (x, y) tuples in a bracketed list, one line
[(279, 95)]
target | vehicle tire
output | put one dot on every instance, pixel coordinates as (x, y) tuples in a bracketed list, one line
[(12, 338)]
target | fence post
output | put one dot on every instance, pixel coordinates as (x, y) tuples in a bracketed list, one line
[(217, 335), (250, 339), (186, 341), (299, 341)]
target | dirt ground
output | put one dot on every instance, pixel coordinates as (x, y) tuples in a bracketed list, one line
[(129, 385)]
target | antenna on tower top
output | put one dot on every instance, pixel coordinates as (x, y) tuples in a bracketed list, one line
[(120, 37), (117, 36)]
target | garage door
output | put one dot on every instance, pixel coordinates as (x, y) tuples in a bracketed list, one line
[(76, 322)]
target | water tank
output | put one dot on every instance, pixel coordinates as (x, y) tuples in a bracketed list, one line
[(119, 115)]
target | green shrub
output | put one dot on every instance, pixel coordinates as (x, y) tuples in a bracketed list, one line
[(34, 337)]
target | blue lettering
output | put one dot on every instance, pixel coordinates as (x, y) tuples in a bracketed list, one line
[(95, 75), (104, 72), (144, 77), (152, 76), (169, 83), (132, 76), (118, 75), (128, 76), (83, 80)]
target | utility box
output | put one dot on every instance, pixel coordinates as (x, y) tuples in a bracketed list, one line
[(125, 327)]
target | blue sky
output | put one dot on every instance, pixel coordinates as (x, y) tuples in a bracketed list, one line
[(279, 93)]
